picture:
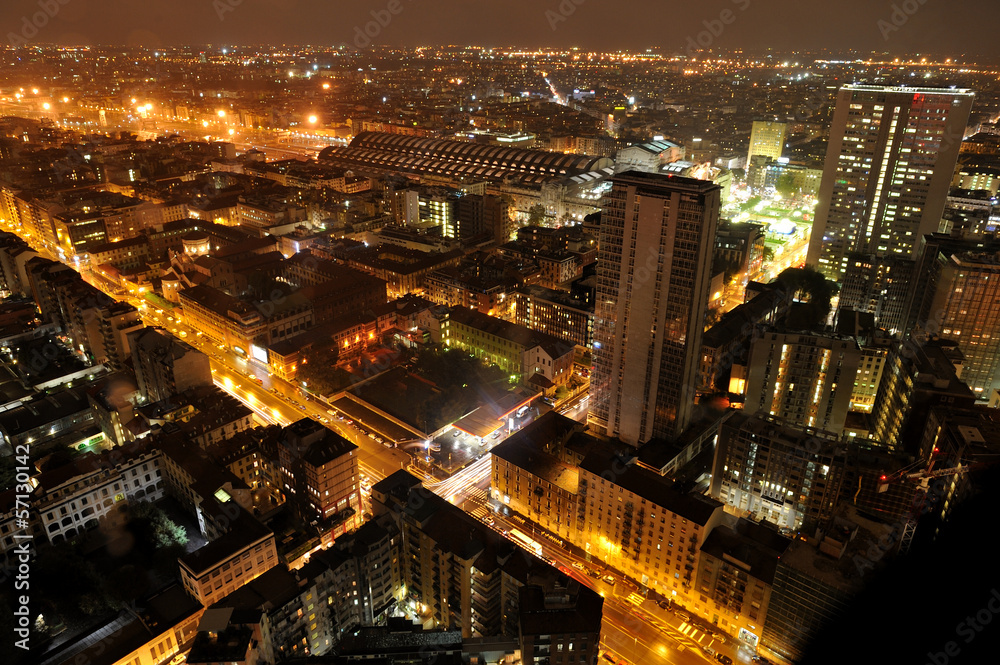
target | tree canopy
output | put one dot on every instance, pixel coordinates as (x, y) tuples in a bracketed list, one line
[(809, 285)]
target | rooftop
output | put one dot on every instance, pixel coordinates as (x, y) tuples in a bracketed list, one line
[(650, 486)]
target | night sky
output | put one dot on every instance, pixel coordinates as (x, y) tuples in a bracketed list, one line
[(951, 27)]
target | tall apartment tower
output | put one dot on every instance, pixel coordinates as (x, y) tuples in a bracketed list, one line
[(964, 310), (653, 273), (805, 379), (889, 165), (767, 138)]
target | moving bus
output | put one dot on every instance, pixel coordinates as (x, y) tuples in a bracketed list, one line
[(526, 542)]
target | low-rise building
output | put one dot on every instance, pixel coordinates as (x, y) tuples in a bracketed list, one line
[(242, 554), (535, 358), (163, 629), (128, 253), (403, 270), (45, 416), (247, 327), (96, 490)]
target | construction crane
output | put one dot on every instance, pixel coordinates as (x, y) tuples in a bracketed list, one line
[(924, 477)]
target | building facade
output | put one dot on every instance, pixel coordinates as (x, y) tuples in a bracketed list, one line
[(965, 309), (653, 276), (767, 138), (889, 165), (165, 366), (802, 378), (777, 473)]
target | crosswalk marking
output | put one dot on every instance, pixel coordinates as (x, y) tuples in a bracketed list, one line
[(695, 634)]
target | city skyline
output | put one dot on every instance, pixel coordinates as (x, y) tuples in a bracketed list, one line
[(451, 354)]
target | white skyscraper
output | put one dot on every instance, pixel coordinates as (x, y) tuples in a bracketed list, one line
[(889, 166)]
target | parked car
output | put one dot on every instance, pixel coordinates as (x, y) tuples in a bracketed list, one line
[(578, 565), (683, 616), (609, 579), (724, 659)]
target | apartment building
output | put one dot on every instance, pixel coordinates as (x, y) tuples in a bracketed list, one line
[(131, 252), (622, 514), (786, 475), (247, 327), (246, 551), (96, 490), (207, 490), (116, 322), (556, 313), (457, 572), (803, 378), (736, 573), (165, 366), (320, 475)]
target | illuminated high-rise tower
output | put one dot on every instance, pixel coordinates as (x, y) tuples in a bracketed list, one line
[(653, 273), (889, 165), (768, 139)]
